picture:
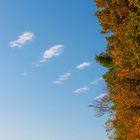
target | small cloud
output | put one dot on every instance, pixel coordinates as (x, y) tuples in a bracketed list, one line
[(52, 52), (87, 87), (63, 77), (96, 81), (25, 74), (22, 39), (57, 82), (81, 90), (101, 96), (83, 65)]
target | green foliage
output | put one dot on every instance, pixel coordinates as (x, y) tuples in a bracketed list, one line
[(104, 59)]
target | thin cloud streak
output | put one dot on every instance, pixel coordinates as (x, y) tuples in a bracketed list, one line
[(57, 82), (22, 39), (36, 64), (52, 52), (62, 78), (83, 65), (88, 86), (24, 74), (96, 81), (81, 90), (66, 76)]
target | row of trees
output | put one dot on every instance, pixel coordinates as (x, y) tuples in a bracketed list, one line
[(120, 20)]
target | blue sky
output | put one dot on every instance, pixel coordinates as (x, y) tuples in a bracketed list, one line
[(48, 72)]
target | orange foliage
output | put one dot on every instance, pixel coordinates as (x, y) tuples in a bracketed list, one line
[(121, 18)]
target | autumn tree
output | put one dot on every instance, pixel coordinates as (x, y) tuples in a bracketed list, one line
[(120, 20)]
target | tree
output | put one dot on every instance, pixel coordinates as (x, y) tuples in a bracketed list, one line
[(121, 19)]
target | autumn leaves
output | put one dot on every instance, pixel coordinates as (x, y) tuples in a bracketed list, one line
[(121, 18)]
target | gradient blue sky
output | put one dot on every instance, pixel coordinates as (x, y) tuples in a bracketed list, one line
[(32, 107)]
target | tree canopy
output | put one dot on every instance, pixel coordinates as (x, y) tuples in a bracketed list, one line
[(120, 20)]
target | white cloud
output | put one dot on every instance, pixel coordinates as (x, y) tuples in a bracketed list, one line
[(57, 82), (52, 52), (22, 39), (83, 65), (63, 77), (81, 90)]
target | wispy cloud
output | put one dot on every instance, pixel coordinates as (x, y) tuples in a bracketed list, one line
[(65, 76), (57, 82), (62, 78), (22, 39), (52, 52), (96, 81), (88, 86), (81, 90), (36, 64), (24, 74), (83, 65)]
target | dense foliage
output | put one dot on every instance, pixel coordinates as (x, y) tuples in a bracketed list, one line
[(120, 20)]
